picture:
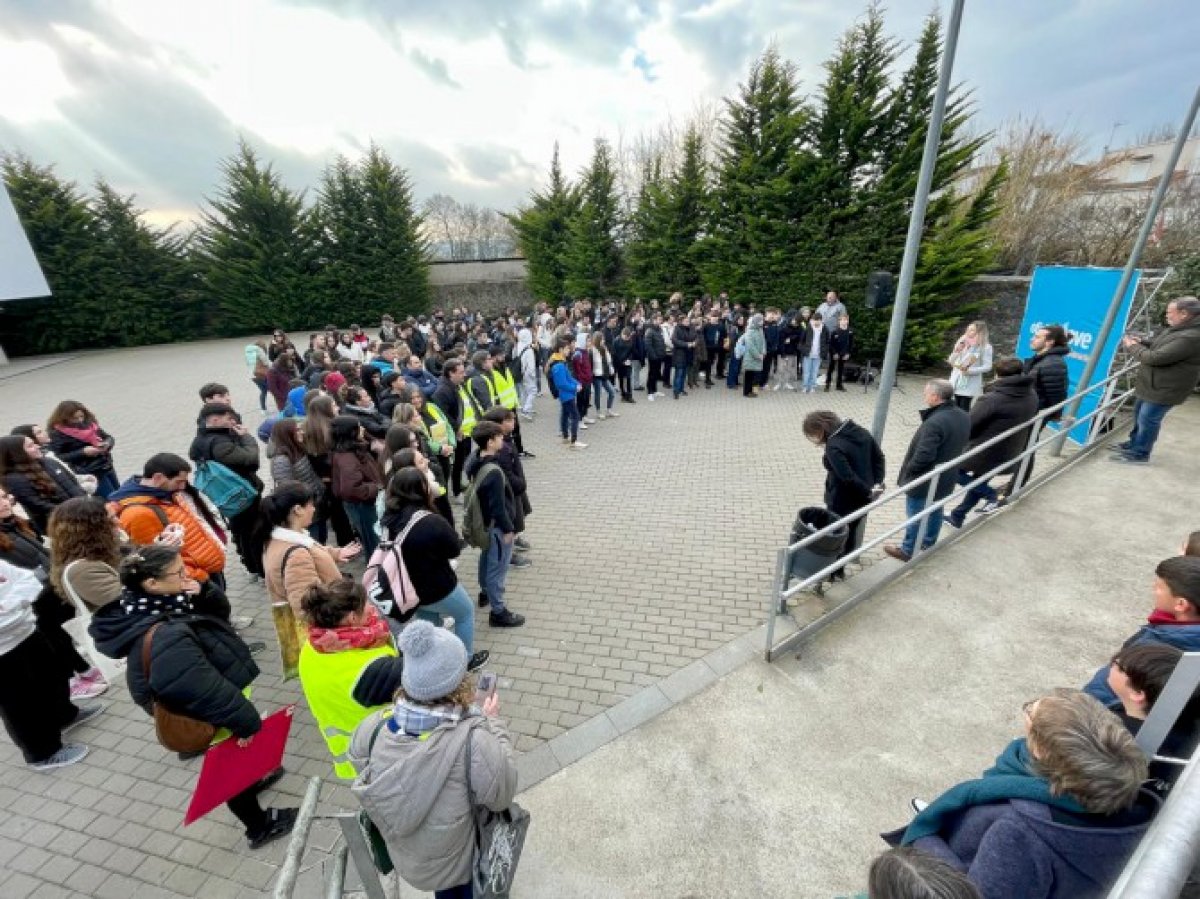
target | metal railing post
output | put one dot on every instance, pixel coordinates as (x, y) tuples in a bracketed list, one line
[(360, 853), (1027, 454), (290, 869), (923, 525), (777, 605)]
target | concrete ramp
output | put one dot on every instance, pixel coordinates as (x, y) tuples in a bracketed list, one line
[(775, 780)]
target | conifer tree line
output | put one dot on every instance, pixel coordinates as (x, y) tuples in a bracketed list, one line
[(262, 256), (799, 194)]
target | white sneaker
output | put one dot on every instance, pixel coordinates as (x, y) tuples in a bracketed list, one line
[(661, 395), (612, 414), (790, 386), (776, 387), (86, 689), (651, 397), (601, 416), (68, 755), (578, 445), (589, 421), (582, 426)]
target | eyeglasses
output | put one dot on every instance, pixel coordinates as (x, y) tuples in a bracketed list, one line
[(178, 572)]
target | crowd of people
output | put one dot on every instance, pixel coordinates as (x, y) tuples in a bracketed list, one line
[(400, 451)]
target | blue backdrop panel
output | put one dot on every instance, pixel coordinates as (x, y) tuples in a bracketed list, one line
[(1077, 299)]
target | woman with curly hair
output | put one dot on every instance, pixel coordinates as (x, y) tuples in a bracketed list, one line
[(37, 483), (77, 438), (85, 550)]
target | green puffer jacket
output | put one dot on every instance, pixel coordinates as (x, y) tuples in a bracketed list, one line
[(1170, 364), (755, 343)]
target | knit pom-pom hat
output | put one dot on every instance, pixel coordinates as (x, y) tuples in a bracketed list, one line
[(435, 661)]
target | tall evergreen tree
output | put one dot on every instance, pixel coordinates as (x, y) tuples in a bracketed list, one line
[(144, 274), (749, 249), (254, 249), (543, 232), (374, 259), (61, 230), (648, 271), (593, 259)]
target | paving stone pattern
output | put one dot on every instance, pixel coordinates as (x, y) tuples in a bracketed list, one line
[(653, 547)]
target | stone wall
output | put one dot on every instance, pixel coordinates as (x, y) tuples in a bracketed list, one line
[(1003, 297), (487, 286)]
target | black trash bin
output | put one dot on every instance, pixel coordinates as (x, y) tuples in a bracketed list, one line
[(810, 559)]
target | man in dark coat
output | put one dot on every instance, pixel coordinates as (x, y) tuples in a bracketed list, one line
[(656, 355), (1170, 368), (941, 437), (1051, 380), (222, 438), (1008, 401)]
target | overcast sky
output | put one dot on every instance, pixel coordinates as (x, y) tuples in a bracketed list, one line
[(470, 95)]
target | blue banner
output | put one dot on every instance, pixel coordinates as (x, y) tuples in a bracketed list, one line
[(1077, 299)]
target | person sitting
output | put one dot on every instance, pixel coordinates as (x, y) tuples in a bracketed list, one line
[(1138, 675), (414, 764), (904, 873), (1055, 818), (349, 667), (1174, 621)]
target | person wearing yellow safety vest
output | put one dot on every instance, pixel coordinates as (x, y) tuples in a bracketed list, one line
[(504, 386), (448, 401), (349, 666)]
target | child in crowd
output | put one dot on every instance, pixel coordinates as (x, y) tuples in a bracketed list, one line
[(1175, 619)]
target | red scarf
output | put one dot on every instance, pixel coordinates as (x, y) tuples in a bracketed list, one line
[(1160, 617), (340, 639), (90, 434)]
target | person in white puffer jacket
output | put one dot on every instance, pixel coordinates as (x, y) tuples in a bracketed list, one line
[(35, 691)]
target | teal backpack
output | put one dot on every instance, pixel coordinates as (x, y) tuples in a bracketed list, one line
[(231, 493)]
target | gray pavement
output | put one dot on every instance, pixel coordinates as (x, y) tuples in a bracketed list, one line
[(653, 555)]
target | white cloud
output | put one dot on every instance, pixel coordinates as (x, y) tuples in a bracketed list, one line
[(34, 82)]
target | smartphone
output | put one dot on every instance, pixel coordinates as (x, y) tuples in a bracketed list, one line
[(485, 687)]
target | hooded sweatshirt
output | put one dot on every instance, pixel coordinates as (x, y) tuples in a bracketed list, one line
[(755, 343), (525, 356), (415, 790)]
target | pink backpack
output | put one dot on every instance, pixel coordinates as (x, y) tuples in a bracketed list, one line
[(386, 579)]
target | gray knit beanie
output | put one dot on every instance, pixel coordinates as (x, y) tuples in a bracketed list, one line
[(435, 661)]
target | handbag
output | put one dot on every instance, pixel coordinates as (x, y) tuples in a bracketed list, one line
[(77, 628), (287, 630), (175, 731), (499, 838)]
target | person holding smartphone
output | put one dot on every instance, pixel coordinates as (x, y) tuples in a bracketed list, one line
[(413, 761)]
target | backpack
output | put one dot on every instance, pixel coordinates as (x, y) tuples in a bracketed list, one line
[(474, 528), (231, 493), (550, 377), (386, 579), (739, 348)]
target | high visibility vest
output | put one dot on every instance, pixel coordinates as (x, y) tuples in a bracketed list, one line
[(505, 388), (469, 417), (328, 680), (440, 431)]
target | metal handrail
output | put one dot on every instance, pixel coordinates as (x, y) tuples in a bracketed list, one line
[(780, 594)]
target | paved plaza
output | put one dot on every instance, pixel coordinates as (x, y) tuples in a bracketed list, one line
[(652, 548)]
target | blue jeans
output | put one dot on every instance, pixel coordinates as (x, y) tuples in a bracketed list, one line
[(1147, 421), (568, 419), (977, 494), (606, 384), (812, 366), (933, 524), (106, 484), (493, 568), (735, 369), (680, 375), (363, 518), (458, 606)]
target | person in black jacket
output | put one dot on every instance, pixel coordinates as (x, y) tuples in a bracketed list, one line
[(656, 355), (941, 437), (714, 346), (841, 345), (683, 344), (855, 466), (222, 438), (78, 440), (498, 507), (1052, 381), (37, 483), (1008, 401), (446, 398), (198, 666), (360, 406)]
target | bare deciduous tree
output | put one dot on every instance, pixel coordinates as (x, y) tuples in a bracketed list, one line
[(461, 231)]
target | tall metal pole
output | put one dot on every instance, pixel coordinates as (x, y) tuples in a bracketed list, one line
[(1114, 306), (916, 224)]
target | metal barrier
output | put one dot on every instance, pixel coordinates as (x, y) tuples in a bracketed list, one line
[(1167, 854), (354, 848), (782, 590)]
